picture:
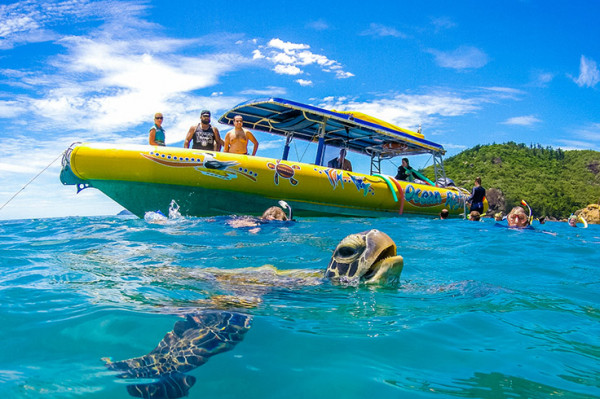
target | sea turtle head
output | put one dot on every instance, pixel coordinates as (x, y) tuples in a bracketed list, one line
[(368, 257)]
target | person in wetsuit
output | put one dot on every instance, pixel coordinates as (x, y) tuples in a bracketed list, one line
[(476, 198), (405, 171), (203, 136)]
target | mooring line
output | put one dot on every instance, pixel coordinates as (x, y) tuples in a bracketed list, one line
[(31, 181)]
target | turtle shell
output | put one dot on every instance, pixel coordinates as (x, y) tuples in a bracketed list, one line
[(284, 171)]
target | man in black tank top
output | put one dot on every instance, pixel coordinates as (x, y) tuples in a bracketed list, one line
[(203, 136)]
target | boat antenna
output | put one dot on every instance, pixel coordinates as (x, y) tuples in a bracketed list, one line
[(287, 206)]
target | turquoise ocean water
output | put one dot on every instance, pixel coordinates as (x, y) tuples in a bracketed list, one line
[(481, 311)]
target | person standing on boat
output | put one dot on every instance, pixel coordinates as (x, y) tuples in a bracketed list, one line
[(476, 198), (203, 136), (405, 171), (157, 133), (236, 140), (341, 162)]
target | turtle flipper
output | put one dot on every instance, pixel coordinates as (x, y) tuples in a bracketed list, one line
[(191, 343), (168, 386)]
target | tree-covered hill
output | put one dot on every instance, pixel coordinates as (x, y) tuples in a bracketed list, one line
[(553, 182)]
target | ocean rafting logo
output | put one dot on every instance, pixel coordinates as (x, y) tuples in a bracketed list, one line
[(428, 198), (454, 201)]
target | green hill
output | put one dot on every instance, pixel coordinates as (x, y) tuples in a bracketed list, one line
[(553, 182)]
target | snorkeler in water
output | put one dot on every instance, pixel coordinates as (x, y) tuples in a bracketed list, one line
[(517, 218)]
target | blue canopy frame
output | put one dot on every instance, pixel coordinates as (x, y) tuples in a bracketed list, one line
[(329, 128)]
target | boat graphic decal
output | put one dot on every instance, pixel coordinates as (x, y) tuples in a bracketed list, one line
[(206, 164), (284, 171), (454, 201), (219, 174), (360, 184), (335, 176), (422, 198)]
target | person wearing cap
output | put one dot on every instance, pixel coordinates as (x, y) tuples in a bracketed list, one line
[(157, 133), (203, 136), (236, 140)]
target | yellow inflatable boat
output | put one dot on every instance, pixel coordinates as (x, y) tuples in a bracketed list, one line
[(204, 183)]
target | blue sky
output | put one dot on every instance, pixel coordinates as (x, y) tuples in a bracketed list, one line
[(468, 72)]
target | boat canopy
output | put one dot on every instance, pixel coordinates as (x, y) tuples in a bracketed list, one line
[(354, 131)]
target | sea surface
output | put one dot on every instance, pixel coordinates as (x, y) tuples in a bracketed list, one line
[(481, 311)]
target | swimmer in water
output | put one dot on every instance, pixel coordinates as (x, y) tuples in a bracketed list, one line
[(517, 218)]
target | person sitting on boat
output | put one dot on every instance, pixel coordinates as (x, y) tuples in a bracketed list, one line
[(476, 198), (236, 140), (203, 136), (405, 171), (341, 162), (157, 133), (517, 218)]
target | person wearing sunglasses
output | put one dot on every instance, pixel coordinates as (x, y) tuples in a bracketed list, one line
[(157, 133)]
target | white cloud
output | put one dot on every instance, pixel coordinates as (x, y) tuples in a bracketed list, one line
[(541, 79), (577, 145), (288, 47), (113, 79), (303, 82), (319, 25), (588, 132), (464, 57), (269, 91), (527, 120), (589, 76), (257, 55), (442, 23), (504, 93), (36, 21), (10, 109), (287, 70), (292, 58), (382, 31), (408, 110)]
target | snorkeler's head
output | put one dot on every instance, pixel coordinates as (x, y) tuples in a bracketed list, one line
[(517, 217)]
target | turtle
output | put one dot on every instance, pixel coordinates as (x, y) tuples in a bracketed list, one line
[(368, 257)]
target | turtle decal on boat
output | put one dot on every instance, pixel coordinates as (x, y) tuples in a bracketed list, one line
[(283, 170)]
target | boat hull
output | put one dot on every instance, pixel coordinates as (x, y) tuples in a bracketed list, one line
[(203, 183)]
